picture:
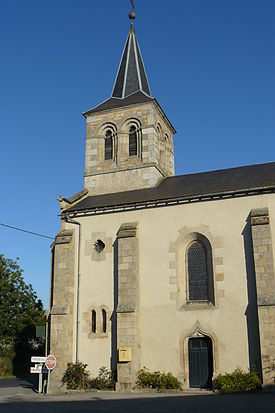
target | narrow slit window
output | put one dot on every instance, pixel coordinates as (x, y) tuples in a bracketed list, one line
[(93, 321), (109, 147), (133, 144), (104, 321)]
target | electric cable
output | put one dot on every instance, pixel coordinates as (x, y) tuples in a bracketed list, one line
[(24, 230)]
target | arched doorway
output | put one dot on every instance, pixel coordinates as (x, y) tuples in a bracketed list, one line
[(200, 356)]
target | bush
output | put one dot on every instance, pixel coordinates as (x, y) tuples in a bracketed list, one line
[(76, 377), (157, 380), (238, 381), (104, 380), (6, 367)]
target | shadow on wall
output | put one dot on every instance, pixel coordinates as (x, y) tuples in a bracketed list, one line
[(114, 314), (252, 309)]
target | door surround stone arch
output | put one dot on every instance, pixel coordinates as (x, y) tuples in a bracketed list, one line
[(196, 332)]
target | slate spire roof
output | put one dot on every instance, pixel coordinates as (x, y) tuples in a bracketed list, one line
[(131, 75), (131, 84)]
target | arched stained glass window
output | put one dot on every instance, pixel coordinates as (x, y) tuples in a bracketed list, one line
[(104, 321), (197, 272), (93, 321), (109, 146), (133, 144)]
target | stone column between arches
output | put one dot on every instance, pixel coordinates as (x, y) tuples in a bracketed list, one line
[(265, 284), (128, 304)]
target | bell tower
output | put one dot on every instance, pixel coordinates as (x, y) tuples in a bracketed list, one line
[(129, 139)]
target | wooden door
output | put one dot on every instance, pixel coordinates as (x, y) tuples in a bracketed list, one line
[(200, 362)]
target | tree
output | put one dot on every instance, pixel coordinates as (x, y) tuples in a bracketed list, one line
[(20, 310)]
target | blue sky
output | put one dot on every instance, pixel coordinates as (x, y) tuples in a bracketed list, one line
[(210, 64)]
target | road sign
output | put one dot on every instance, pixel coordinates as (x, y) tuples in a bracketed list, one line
[(50, 362), (38, 368), (39, 359)]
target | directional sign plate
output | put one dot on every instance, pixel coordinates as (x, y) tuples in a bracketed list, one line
[(39, 359)]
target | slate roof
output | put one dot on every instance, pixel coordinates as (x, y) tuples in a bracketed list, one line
[(131, 75), (113, 103), (131, 84), (241, 180)]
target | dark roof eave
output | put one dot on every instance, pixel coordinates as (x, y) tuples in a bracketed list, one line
[(93, 110), (177, 200), (225, 182), (165, 116)]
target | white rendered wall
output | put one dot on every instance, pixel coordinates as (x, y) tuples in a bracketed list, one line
[(163, 325)]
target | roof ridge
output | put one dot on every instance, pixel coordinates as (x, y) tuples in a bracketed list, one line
[(221, 170), (186, 188)]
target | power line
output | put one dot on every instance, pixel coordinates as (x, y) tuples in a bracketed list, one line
[(24, 230)]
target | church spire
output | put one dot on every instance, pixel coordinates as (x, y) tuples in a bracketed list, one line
[(131, 75)]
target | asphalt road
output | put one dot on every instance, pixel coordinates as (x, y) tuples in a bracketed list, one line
[(18, 382), (20, 399)]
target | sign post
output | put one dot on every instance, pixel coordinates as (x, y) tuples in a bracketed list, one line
[(39, 362), (50, 364)]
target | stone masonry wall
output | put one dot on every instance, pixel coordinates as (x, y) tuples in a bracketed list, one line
[(128, 304), (265, 281), (155, 158), (61, 320), (126, 180)]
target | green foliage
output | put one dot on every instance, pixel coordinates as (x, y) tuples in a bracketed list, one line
[(157, 380), (76, 377), (20, 311), (5, 366), (238, 381), (104, 380), (18, 301)]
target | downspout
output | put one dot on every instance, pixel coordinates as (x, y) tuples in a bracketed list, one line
[(72, 221)]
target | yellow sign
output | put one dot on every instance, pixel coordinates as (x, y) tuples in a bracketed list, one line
[(124, 354)]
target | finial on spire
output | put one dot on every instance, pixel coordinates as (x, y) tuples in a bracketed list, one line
[(132, 14)]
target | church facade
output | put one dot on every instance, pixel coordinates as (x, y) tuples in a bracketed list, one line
[(174, 273)]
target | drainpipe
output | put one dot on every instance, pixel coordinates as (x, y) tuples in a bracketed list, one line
[(72, 221)]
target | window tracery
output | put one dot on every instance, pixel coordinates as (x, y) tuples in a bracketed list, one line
[(197, 272)]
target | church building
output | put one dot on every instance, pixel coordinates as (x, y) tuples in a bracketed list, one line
[(174, 273)]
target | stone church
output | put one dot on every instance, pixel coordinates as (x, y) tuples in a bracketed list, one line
[(175, 273)]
